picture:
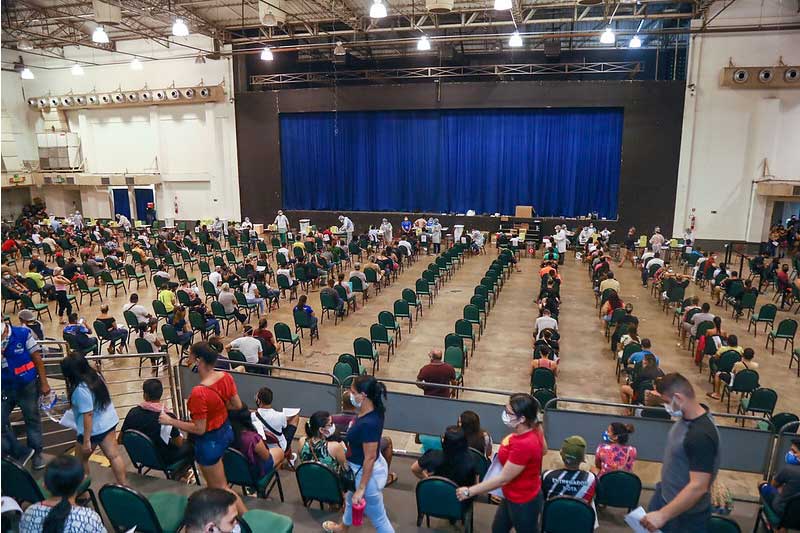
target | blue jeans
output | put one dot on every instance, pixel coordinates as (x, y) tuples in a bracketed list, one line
[(118, 334), (27, 398), (259, 301), (213, 322), (696, 522), (373, 495)]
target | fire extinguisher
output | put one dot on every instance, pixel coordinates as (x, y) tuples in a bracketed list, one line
[(175, 201), (692, 220)]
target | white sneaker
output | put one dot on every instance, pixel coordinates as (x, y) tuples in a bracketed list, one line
[(27, 457)]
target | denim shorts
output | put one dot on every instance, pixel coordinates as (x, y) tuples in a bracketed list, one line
[(211, 445)]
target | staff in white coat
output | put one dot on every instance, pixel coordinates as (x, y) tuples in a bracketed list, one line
[(561, 242), (283, 226), (386, 228), (346, 227), (436, 235)]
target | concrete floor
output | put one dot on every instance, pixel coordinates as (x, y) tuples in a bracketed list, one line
[(502, 357)]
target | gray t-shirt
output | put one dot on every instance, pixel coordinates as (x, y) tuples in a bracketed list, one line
[(699, 318), (692, 446)]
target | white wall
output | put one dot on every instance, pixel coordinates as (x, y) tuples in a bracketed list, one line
[(727, 133), (193, 146)]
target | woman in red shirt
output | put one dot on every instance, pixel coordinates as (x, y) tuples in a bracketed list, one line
[(521, 455), (208, 406)]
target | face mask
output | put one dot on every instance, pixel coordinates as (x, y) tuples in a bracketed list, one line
[(673, 410), (510, 421), (354, 400), (236, 529), (329, 431), (606, 437), (792, 459)]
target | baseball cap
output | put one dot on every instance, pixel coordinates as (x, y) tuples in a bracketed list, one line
[(26, 315), (573, 449)]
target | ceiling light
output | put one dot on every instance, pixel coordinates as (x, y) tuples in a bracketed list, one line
[(339, 50), (608, 37), (136, 64), (266, 54), (635, 42), (24, 44), (179, 28), (77, 70), (377, 10), (200, 59), (99, 35), (515, 41), (502, 5), (424, 43), (269, 20), (26, 74)]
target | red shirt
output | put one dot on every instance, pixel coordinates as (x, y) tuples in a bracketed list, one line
[(266, 335), (209, 402), (8, 245), (442, 373), (526, 449)]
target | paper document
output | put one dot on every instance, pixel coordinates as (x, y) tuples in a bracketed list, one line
[(634, 518), (291, 411), (493, 471)]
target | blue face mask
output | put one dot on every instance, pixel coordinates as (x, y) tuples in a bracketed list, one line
[(792, 459), (606, 437)]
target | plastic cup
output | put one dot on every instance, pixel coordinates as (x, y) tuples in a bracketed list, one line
[(358, 512)]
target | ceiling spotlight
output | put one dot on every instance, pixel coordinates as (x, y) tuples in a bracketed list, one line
[(136, 64), (24, 44), (515, 41), (100, 36), (77, 70), (339, 50), (424, 44), (502, 5), (26, 74), (179, 28), (266, 54), (200, 59), (269, 20), (608, 37), (377, 10), (635, 42)]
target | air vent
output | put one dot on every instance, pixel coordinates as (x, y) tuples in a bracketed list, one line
[(129, 180), (796, 190), (105, 181), (70, 181), (48, 180)]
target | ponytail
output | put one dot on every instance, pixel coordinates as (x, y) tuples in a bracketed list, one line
[(57, 517), (62, 477), (374, 390), (315, 423), (622, 431)]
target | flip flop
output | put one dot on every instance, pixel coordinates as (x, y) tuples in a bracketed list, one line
[(329, 526), (710, 395), (392, 478)]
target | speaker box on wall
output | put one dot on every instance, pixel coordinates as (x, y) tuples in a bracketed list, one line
[(768, 77)]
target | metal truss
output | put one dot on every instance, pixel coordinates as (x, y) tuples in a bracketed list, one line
[(500, 71)]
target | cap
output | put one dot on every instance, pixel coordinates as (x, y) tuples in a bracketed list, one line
[(573, 449), (26, 315)]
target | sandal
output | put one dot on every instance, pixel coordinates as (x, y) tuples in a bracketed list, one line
[(329, 526), (712, 396), (391, 479)]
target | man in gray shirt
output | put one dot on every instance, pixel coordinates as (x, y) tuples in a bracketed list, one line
[(703, 316), (682, 501)]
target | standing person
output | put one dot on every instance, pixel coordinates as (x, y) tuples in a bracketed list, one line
[(405, 225), (208, 407), (63, 304), (95, 416), (656, 242), (283, 226), (561, 243), (363, 438), (436, 236), (23, 379), (682, 499), (60, 513), (521, 455), (386, 228), (346, 227)]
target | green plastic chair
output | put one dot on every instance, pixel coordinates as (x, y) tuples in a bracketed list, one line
[(258, 520), (403, 310), (372, 277), (472, 314), (795, 358), (84, 289), (138, 277), (145, 457), (199, 325), (761, 400), (544, 396), (109, 282), (183, 276), (284, 285), (126, 508), (364, 349), (766, 315), (142, 345), (455, 358), (451, 339), (318, 483), (388, 320), (18, 483), (619, 488), (160, 310), (722, 524), (747, 303), (543, 378), (343, 373), (744, 382), (358, 287), (209, 290), (565, 514), (788, 521), (27, 303), (725, 363), (205, 270), (351, 301), (104, 336), (238, 472), (283, 334), (243, 304), (218, 310), (328, 305), (436, 497), (481, 462), (465, 331), (433, 279), (424, 289), (776, 422), (351, 360), (787, 329), (303, 321), (412, 300), (378, 334), (171, 338)]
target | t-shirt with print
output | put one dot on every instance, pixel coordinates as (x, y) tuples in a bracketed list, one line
[(83, 401), (566, 482), (366, 429), (526, 449), (79, 520), (615, 457)]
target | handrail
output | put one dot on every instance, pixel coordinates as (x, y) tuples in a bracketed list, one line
[(459, 387), (277, 367), (774, 455)]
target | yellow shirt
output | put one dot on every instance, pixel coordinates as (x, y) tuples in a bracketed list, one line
[(38, 278), (167, 298)]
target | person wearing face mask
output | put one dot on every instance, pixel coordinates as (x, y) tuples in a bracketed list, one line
[(316, 446), (682, 500), (521, 455), (614, 452), (211, 511), (367, 394), (786, 482)]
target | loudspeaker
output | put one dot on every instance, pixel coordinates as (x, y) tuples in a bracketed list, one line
[(132, 97), (780, 77), (80, 100), (552, 48)]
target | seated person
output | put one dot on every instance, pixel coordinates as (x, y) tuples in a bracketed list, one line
[(543, 358), (248, 345), (649, 372), (545, 321), (302, 304), (262, 459), (13, 288), (453, 461), (167, 297), (115, 333), (549, 339), (477, 437), (265, 418), (80, 334), (356, 273), (228, 301), (745, 363), (570, 480), (170, 444), (331, 293), (731, 344), (143, 316), (315, 446), (614, 453), (266, 337), (638, 357), (47, 289), (786, 482), (182, 329)]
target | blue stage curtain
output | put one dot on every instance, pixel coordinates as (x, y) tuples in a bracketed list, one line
[(564, 162), (143, 197), (122, 205)]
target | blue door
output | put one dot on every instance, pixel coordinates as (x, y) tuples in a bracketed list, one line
[(122, 204), (143, 197)]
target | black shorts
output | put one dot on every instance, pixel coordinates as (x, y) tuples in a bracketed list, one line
[(96, 439)]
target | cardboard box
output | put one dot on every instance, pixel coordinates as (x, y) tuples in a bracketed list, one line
[(524, 211), (503, 218)]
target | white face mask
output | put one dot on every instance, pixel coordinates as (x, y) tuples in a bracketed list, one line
[(329, 431), (236, 529), (354, 400), (673, 409), (510, 421)]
